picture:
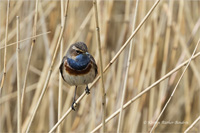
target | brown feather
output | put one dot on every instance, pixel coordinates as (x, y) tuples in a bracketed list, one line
[(77, 72)]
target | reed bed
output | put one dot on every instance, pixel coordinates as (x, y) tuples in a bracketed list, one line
[(149, 62)]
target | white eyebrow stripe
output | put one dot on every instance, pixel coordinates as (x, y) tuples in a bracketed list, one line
[(75, 48)]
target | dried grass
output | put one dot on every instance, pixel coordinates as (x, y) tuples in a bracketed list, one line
[(163, 43)]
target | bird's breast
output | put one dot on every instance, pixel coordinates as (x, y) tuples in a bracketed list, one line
[(78, 77), (72, 71)]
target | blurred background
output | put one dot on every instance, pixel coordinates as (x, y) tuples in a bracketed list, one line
[(166, 40)]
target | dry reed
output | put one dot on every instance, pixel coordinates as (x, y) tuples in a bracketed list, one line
[(60, 77), (101, 64), (145, 91), (138, 85), (19, 114), (155, 124), (5, 49), (120, 121), (192, 125), (26, 39)]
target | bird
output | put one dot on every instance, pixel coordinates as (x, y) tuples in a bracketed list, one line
[(78, 67)]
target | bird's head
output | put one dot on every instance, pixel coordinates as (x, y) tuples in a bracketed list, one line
[(76, 50)]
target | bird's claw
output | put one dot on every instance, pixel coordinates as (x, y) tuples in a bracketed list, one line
[(73, 105), (87, 90)]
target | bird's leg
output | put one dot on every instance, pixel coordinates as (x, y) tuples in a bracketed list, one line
[(87, 90), (74, 100)]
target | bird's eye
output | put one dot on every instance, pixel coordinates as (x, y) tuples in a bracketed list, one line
[(78, 52)]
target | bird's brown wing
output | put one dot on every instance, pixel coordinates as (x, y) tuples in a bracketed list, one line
[(61, 67), (95, 65)]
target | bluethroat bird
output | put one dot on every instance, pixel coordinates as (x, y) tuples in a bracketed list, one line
[(78, 67)]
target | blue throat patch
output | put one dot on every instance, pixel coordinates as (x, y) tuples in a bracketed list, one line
[(80, 63)]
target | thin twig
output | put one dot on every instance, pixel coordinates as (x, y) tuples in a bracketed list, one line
[(50, 69), (192, 125), (120, 121), (5, 50), (30, 54), (108, 66), (101, 64), (155, 124), (145, 91), (27, 20), (26, 39), (19, 115)]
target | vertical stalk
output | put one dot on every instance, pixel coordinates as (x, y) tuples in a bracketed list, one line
[(5, 49), (19, 115), (126, 74), (101, 64), (60, 77)]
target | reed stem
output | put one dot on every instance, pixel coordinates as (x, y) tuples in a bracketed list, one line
[(60, 77), (5, 50), (101, 64), (120, 121), (19, 114)]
